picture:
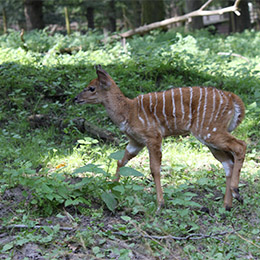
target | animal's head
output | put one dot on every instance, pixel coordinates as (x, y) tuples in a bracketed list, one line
[(96, 90)]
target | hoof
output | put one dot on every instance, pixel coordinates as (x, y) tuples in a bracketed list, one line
[(160, 206), (228, 208), (205, 210), (237, 196), (240, 199)]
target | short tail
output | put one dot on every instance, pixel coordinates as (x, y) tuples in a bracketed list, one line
[(239, 114)]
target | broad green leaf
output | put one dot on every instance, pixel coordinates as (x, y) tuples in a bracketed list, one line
[(109, 200), (7, 247), (84, 182), (194, 204), (96, 250), (127, 171), (89, 168), (62, 191), (126, 218), (48, 230), (189, 194), (45, 188), (71, 202), (138, 187), (119, 188), (117, 155), (203, 181)]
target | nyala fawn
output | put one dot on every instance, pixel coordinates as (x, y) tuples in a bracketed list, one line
[(209, 114)]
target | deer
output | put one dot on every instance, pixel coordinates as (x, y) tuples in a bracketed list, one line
[(208, 113)]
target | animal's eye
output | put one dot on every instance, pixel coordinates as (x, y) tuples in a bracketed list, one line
[(91, 89)]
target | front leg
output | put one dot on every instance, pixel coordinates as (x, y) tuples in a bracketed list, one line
[(132, 149), (155, 154)]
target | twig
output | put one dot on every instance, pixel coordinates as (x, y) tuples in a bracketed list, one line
[(233, 54), (193, 236), (206, 4), (248, 241), (189, 237), (141, 234), (18, 226)]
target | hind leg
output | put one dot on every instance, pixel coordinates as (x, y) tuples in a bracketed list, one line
[(239, 156), (228, 144), (227, 161)]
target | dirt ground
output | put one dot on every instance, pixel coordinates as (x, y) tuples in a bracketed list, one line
[(81, 236), (63, 246)]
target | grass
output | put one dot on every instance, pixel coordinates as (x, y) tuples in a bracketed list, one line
[(54, 176)]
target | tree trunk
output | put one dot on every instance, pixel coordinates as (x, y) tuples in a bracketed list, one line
[(4, 21), (90, 17), (136, 7), (110, 13), (33, 14), (196, 22), (152, 11), (67, 19), (242, 22)]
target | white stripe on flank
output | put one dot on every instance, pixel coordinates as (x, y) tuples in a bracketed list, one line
[(174, 109), (139, 117), (145, 115), (190, 107), (182, 106), (198, 109), (156, 102), (220, 103), (233, 123), (214, 106), (225, 107), (151, 102), (164, 114), (204, 108)]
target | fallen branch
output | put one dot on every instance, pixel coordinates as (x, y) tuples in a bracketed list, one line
[(189, 237), (135, 235), (41, 120), (234, 55), (21, 226), (164, 23)]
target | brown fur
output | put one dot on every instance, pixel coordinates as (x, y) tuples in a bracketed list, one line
[(208, 113)]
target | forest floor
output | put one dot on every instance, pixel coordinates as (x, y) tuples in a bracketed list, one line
[(57, 200), (72, 235)]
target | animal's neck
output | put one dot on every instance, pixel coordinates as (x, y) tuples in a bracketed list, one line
[(117, 106)]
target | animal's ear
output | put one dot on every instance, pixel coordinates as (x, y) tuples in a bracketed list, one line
[(103, 77)]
